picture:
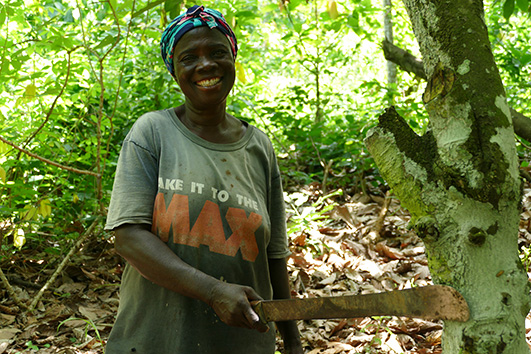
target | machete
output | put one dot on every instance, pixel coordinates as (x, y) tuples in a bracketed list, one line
[(429, 302)]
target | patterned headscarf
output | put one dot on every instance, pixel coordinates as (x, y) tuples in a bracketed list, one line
[(194, 17)]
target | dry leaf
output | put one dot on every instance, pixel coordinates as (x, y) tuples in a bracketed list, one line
[(388, 251), (3, 346), (393, 344), (8, 333)]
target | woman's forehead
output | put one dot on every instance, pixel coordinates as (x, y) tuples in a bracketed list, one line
[(201, 36)]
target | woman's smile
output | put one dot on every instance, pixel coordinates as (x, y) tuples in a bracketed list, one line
[(208, 83)]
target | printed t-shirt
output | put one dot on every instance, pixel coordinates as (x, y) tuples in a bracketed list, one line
[(220, 208)]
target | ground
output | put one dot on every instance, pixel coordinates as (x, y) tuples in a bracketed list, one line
[(357, 246)]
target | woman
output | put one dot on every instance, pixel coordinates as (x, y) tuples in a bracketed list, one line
[(198, 212)]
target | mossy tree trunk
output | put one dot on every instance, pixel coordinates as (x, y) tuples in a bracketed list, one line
[(460, 180)]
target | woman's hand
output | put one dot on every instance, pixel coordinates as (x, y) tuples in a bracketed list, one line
[(157, 263), (231, 302)]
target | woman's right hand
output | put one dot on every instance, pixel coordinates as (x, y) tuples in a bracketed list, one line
[(232, 304), (157, 263)]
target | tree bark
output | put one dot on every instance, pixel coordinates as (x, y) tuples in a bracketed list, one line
[(408, 62), (460, 180), (388, 32), (404, 59)]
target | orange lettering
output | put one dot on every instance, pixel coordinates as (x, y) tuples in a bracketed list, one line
[(176, 215), (242, 237), (208, 229)]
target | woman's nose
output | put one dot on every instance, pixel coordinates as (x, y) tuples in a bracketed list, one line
[(205, 63)]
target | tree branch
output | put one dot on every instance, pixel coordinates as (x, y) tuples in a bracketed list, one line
[(50, 162), (408, 62), (10, 290), (50, 111), (63, 263), (405, 60), (392, 145), (111, 116), (521, 124), (147, 8)]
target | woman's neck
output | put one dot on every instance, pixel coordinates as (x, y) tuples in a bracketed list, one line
[(213, 125)]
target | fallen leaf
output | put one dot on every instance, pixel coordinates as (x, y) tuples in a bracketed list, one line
[(393, 344), (6, 320), (299, 240), (299, 260), (388, 251), (92, 313), (371, 267), (8, 333), (339, 326)]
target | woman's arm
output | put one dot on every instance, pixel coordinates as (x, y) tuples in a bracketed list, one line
[(280, 282), (157, 263)]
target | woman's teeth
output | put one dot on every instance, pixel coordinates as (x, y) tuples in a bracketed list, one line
[(209, 82)]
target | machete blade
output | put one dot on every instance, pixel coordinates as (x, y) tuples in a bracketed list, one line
[(429, 302)]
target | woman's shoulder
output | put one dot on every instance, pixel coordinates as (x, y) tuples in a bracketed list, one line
[(147, 128), (152, 118), (151, 122), (259, 134)]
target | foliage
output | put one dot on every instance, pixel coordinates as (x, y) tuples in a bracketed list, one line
[(511, 7), (65, 66), (525, 256), (511, 45), (307, 217), (76, 74), (89, 326)]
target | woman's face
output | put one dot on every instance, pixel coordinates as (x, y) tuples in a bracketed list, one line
[(204, 67)]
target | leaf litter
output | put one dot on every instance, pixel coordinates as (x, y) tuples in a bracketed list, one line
[(337, 252)]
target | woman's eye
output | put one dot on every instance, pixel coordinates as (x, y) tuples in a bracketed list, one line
[(220, 53), (187, 59)]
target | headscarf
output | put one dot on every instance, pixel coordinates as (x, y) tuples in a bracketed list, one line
[(194, 17)]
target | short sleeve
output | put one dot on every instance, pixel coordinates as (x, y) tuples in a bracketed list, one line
[(135, 183), (278, 246)]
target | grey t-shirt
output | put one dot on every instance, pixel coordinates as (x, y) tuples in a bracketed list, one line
[(220, 208)]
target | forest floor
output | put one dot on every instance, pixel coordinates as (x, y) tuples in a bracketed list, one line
[(354, 248)]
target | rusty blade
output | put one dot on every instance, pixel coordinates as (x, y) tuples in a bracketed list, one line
[(429, 302)]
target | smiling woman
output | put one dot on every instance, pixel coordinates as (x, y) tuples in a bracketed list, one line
[(204, 68), (198, 212)]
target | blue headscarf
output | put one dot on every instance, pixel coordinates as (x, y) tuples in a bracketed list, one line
[(194, 17)]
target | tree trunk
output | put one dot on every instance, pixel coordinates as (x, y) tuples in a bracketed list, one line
[(460, 180), (408, 62), (388, 33)]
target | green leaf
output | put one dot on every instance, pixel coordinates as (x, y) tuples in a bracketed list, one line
[(525, 59), (108, 40), (147, 8), (523, 5), (19, 239), (67, 42), (297, 27), (2, 16), (175, 12), (173, 7), (68, 16), (246, 15), (508, 8), (366, 4), (293, 4), (113, 4), (45, 208)]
